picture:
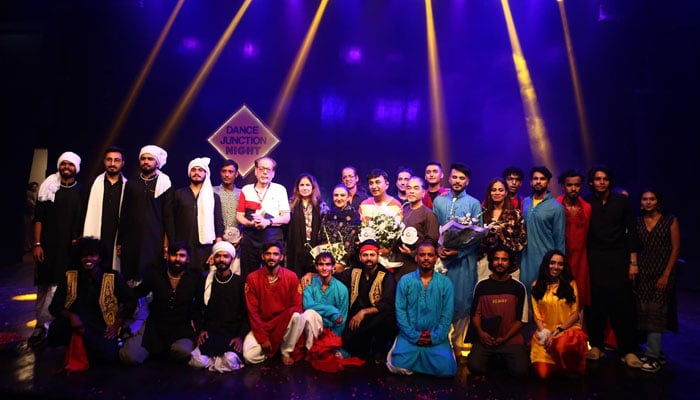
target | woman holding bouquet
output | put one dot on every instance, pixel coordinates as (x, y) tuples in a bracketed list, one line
[(559, 343), (307, 210), (506, 224), (341, 225)]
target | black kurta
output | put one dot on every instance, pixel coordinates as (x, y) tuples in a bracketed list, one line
[(61, 222), (171, 313), (183, 219), (142, 228), (225, 316)]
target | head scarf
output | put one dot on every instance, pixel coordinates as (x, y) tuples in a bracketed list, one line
[(159, 154), (369, 245), (224, 246)]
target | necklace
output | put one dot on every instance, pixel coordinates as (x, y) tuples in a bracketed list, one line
[(216, 276), (261, 196), (69, 186), (148, 179), (273, 280), (175, 278)]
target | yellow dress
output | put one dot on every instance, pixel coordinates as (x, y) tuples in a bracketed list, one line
[(553, 312)]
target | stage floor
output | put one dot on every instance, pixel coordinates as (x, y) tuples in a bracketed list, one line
[(26, 373)]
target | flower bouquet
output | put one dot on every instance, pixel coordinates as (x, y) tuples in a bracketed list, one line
[(386, 230), (462, 232), (336, 249)]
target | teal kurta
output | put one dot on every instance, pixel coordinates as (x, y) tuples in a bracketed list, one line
[(419, 309), (546, 230), (329, 304), (461, 269)]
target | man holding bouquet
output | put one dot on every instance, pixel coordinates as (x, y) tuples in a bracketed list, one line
[(459, 261)]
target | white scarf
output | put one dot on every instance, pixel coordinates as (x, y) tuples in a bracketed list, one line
[(162, 184), (49, 187), (93, 215), (205, 203)]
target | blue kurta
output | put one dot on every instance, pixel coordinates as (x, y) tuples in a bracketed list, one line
[(546, 230), (419, 309), (461, 269), (329, 304)]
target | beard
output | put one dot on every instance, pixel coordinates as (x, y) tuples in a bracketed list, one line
[(147, 171), (222, 267), (176, 268)]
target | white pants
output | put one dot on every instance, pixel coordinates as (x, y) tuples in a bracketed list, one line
[(252, 351), (44, 296), (313, 327)]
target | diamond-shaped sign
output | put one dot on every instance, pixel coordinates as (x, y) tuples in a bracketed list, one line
[(244, 138)]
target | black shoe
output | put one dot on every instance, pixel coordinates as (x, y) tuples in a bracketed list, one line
[(38, 337)]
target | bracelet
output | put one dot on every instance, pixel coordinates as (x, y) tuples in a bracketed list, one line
[(633, 263), (559, 329), (37, 244)]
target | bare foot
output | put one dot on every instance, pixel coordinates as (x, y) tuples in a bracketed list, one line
[(287, 360)]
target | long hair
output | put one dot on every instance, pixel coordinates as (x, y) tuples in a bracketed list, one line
[(660, 206), (315, 191), (488, 202), (565, 290)]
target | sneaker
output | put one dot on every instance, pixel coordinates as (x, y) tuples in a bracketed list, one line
[(38, 336), (595, 354), (651, 365), (661, 359), (631, 360)]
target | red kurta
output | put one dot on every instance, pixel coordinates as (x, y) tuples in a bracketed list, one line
[(576, 234), (271, 305)]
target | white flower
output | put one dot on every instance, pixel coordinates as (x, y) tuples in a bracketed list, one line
[(440, 267)]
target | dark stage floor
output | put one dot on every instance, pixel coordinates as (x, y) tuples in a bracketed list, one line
[(25, 373)]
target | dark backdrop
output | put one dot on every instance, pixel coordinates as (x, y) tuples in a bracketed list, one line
[(363, 97)]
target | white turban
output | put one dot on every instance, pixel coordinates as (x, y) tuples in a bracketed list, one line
[(224, 246), (70, 157), (50, 185), (159, 154), (202, 162)]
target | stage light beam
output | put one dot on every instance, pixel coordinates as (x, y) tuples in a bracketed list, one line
[(281, 106), (578, 93), (537, 132), (137, 85), (175, 119), (438, 118)]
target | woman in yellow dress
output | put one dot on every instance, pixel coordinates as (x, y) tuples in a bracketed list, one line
[(559, 343)]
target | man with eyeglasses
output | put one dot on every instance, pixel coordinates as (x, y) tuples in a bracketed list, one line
[(263, 211), (177, 303)]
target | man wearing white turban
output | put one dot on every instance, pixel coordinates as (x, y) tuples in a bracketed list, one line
[(142, 231), (195, 216), (58, 220), (225, 317)]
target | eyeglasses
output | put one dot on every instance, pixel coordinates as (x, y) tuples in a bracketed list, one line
[(264, 169)]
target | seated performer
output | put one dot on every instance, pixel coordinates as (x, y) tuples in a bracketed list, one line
[(372, 317), (325, 301), (91, 302), (559, 344), (424, 307), (176, 306), (273, 297), (224, 318)]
